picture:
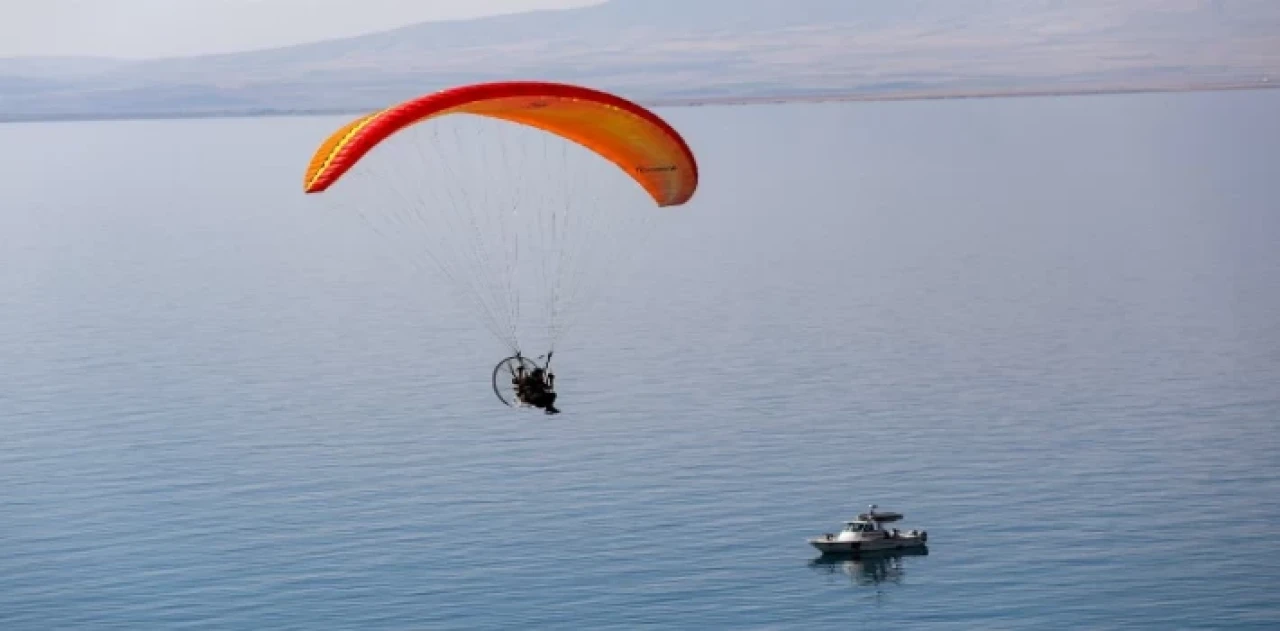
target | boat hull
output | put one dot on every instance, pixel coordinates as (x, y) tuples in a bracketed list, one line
[(833, 546)]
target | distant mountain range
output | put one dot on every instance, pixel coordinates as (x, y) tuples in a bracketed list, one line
[(663, 50)]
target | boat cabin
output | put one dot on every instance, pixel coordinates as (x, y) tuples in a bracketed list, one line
[(867, 527)]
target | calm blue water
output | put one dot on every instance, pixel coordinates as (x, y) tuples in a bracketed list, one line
[(1048, 330)]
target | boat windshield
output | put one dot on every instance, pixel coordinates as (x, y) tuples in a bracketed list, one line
[(858, 526)]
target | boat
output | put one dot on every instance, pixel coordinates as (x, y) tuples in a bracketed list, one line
[(867, 533)]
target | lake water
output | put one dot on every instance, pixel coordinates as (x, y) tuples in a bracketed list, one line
[(1047, 330)]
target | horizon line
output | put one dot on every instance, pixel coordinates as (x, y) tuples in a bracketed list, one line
[(659, 102)]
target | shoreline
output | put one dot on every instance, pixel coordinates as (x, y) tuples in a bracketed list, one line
[(927, 95), (710, 101)]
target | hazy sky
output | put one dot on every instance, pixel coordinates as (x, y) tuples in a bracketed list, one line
[(151, 28)]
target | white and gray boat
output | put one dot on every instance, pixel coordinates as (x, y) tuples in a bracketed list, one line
[(868, 534)]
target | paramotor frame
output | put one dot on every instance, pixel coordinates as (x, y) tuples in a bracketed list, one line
[(504, 376)]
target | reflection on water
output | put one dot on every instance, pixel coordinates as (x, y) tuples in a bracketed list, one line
[(868, 569)]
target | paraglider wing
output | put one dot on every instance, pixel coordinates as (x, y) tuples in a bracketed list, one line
[(628, 135), (527, 203)]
